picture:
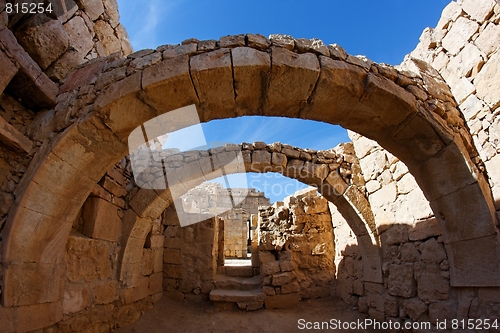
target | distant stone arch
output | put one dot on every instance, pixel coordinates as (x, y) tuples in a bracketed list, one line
[(243, 75), (317, 168)]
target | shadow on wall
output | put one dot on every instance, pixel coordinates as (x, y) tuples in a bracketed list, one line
[(416, 275)]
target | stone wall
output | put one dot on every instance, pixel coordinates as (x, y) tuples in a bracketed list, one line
[(296, 249), (464, 48), (73, 34), (234, 206), (191, 257)]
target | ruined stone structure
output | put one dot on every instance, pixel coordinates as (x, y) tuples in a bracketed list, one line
[(413, 201)]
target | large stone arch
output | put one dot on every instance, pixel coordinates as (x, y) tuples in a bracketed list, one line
[(319, 169), (242, 75)]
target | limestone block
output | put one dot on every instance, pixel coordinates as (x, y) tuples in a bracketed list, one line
[(147, 262), (471, 107), (289, 288), (155, 283), (269, 268), (213, 78), (385, 196), (8, 71), (450, 13), (406, 184), (479, 11), (459, 34), (75, 301), (401, 281), (445, 310), (414, 308), (179, 50), (485, 40), (12, 138), (43, 38), (475, 219), (251, 70), (93, 8), (261, 159), (111, 9), (106, 35), (432, 252), (232, 41), (293, 77), (487, 81), (475, 262), (424, 229), (465, 61), (7, 317), (460, 87), (105, 292), (257, 41), (101, 220), (88, 259), (284, 41), (140, 291), (311, 45), (372, 164), (37, 316), (80, 38), (281, 279), (432, 286)]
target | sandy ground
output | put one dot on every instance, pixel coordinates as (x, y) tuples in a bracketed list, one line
[(170, 316)]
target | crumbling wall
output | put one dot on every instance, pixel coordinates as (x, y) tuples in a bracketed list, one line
[(74, 33), (464, 48), (296, 248), (190, 256)]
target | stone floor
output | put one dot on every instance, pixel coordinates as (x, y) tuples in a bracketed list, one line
[(170, 316)]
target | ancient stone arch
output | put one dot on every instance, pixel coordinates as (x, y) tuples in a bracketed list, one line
[(329, 171), (244, 75)]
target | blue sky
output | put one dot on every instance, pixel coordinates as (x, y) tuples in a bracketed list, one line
[(384, 31)]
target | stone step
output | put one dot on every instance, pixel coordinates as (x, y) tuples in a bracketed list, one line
[(237, 296), (241, 271), (236, 283)]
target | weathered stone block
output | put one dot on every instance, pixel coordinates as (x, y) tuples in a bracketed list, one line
[(414, 308), (8, 70), (173, 256), (461, 31), (487, 81), (269, 268), (105, 292), (281, 279), (478, 11), (37, 316), (88, 259), (43, 38), (75, 301), (432, 286), (424, 229), (155, 283), (401, 281), (293, 77), (213, 78), (101, 220), (432, 252)]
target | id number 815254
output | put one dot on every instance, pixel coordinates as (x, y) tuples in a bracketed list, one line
[(28, 8)]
